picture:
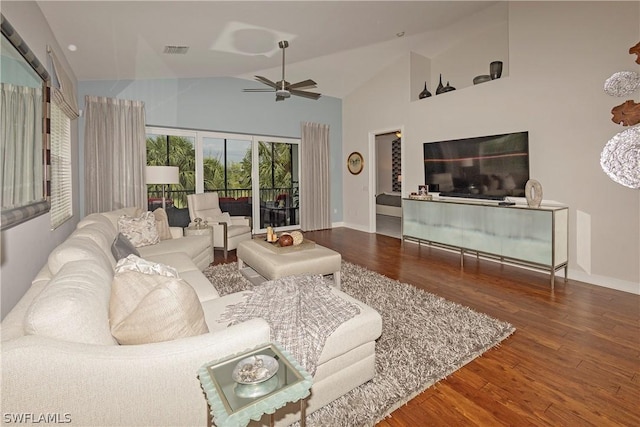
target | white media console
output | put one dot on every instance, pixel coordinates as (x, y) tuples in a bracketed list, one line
[(533, 237)]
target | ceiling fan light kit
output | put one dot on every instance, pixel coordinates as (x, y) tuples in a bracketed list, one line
[(283, 89)]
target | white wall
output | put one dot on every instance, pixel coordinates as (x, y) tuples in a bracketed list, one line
[(560, 54), (25, 247)]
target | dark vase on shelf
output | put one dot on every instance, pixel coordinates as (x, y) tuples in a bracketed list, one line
[(440, 86), (425, 93), (448, 88), (495, 70)]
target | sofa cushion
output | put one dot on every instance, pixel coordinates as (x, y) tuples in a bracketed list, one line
[(162, 224), (140, 230), (148, 308), (122, 247), (99, 219), (193, 246), (77, 248), (102, 234), (74, 305)]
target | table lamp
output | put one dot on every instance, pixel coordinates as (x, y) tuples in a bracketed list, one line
[(163, 175)]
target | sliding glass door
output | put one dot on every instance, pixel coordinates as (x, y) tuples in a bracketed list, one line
[(226, 164), (278, 178), (256, 177)]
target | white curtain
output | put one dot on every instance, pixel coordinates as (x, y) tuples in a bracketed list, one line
[(21, 162), (315, 201), (114, 154)]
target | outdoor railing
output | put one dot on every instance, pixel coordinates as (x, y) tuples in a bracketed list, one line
[(178, 198)]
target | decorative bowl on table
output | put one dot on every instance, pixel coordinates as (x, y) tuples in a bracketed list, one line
[(255, 369), (249, 391)]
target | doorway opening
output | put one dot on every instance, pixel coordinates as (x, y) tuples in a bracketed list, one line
[(388, 183)]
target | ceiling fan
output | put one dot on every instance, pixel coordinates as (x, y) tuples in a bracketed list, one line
[(283, 88)]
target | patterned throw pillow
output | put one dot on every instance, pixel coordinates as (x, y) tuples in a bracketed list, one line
[(141, 231)]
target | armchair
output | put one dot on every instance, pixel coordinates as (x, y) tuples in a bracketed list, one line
[(228, 230)]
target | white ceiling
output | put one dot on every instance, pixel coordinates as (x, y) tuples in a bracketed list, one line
[(339, 44)]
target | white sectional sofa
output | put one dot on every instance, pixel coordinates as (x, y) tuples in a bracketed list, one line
[(59, 359)]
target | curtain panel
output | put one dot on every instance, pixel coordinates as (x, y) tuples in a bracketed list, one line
[(114, 154), (315, 185), (20, 163)]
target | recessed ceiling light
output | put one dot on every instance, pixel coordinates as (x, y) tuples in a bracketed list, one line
[(72, 47), (400, 34), (175, 50)]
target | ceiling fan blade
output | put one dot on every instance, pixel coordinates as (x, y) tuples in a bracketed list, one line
[(267, 81), (310, 95), (303, 84), (258, 90)]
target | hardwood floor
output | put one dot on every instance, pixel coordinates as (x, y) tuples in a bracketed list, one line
[(574, 359)]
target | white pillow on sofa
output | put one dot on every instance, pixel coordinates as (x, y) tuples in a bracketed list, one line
[(141, 230), (74, 305), (133, 262), (162, 224), (146, 308)]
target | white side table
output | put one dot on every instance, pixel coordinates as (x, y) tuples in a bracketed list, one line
[(203, 230)]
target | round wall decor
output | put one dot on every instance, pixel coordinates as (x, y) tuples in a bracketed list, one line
[(533, 193), (355, 163)]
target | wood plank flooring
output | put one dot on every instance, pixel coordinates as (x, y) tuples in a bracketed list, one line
[(574, 359)]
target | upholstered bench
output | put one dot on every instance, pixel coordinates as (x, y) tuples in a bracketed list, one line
[(274, 263)]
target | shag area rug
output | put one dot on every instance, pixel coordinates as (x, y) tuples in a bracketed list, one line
[(424, 339)]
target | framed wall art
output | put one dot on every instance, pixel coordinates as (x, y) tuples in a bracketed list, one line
[(355, 163)]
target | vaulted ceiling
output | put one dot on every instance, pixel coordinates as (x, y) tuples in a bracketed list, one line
[(339, 44)]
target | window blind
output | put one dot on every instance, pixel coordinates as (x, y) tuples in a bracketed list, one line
[(61, 185)]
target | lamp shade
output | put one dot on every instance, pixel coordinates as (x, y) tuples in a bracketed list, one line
[(163, 175)]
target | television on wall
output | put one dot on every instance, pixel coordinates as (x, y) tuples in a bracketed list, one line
[(486, 167)]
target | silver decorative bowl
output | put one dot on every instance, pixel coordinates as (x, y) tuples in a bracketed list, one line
[(255, 369)]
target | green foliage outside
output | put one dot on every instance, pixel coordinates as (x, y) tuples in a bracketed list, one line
[(274, 168)]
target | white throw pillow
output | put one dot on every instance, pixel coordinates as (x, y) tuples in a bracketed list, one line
[(147, 308), (133, 262), (141, 231), (162, 224)]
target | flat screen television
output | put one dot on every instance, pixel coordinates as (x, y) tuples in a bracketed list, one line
[(486, 167)]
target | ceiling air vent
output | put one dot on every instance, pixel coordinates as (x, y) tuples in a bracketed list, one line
[(176, 50)]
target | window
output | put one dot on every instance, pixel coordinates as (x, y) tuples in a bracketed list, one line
[(61, 191)]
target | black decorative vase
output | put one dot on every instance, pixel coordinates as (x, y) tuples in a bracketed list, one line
[(448, 88), (495, 70), (425, 93), (440, 86)]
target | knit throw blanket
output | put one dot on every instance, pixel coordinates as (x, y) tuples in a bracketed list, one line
[(301, 311)]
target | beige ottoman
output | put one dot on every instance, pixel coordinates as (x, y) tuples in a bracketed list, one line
[(271, 264)]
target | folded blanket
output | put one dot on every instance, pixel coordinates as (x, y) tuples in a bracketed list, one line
[(301, 311)]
